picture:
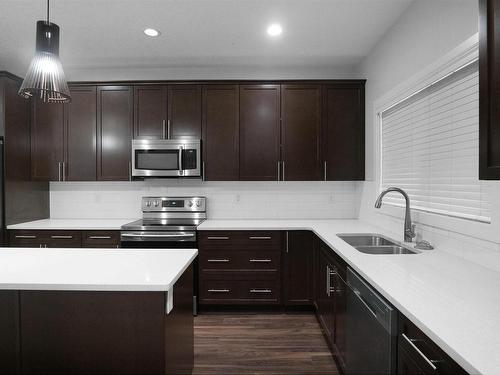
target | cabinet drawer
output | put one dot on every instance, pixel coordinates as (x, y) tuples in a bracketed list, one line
[(63, 238), (25, 238), (423, 352), (239, 291), (228, 259), (100, 238), (244, 239)]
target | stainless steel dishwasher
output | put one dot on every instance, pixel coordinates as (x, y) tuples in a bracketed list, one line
[(371, 330)]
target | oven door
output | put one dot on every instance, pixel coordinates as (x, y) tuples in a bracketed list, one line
[(166, 158), (158, 240)]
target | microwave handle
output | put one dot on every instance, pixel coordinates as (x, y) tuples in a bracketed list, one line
[(181, 169)]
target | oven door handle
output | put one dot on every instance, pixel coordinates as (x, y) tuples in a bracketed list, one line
[(138, 235)]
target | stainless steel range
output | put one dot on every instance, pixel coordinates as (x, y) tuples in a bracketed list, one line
[(167, 222)]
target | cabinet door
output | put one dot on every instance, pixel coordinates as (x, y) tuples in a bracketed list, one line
[(114, 132), (259, 132), (81, 130), (489, 90), (324, 298), (47, 140), (150, 115), (10, 353), (297, 278), (343, 132), (300, 131), (220, 132), (184, 111)]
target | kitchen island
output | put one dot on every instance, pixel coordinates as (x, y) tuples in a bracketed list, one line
[(96, 311)]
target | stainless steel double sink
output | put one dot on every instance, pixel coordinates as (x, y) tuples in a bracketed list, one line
[(375, 244)]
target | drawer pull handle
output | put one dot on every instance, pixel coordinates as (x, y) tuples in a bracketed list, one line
[(218, 290), (260, 260), (260, 237), (218, 238), (61, 237), (411, 342), (99, 237), (218, 260), (25, 236), (261, 291)]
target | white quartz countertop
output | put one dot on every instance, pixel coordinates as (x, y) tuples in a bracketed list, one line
[(451, 295), (93, 269), (73, 224)]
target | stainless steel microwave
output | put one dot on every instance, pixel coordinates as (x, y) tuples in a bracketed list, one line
[(166, 158)]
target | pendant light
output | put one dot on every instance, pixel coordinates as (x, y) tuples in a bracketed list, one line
[(45, 78)]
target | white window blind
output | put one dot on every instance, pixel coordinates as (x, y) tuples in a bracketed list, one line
[(430, 148)]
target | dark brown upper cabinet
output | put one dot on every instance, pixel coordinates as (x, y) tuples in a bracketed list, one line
[(167, 112), (80, 135), (489, 90), (184, 111), (343, 132), (220, 121), (114, 132), (259, 132), (300, 132), (47, 141), (150, 113)]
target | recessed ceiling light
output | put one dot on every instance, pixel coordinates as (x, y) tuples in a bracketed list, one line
[(151, 32), (274, 29)]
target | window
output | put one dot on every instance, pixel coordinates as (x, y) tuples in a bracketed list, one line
[(430, 148)]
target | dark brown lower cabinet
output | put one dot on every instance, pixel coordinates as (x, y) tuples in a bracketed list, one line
[(297, 270), (92, 332), (64, 238), (417, 354), (10, 358)]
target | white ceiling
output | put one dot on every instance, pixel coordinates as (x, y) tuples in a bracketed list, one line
[(107, 34)]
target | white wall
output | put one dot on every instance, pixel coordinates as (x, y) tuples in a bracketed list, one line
[(225, 200), (428, 31), (219, 72)]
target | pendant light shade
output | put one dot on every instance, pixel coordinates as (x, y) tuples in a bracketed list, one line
[(45, 78)]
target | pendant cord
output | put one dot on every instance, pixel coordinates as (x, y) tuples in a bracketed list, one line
[(48, 6)]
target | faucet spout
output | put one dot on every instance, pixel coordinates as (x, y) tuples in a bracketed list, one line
[(409, 228)]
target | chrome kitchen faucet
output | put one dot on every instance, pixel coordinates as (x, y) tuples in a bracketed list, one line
[(409, 229)]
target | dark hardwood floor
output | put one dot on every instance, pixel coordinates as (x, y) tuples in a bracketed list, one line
[(264, 343)]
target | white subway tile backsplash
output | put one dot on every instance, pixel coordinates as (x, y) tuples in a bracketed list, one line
[(226, 200)]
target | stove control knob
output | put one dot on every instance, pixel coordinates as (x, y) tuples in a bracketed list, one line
[(198, 203), (190, 203), (148, 203), (157, 203)]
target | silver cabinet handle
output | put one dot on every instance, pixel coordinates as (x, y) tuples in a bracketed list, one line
[(328, 281), (58, 171), (168, 129), (411, 342), (324, 170), (260, 237), (25, 236), (278, 171), (218, 290), (261, 291), (60, 237), (260, 260), (218, 260), (217, 238), (99, 237), (286, 242), (163, 129)]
